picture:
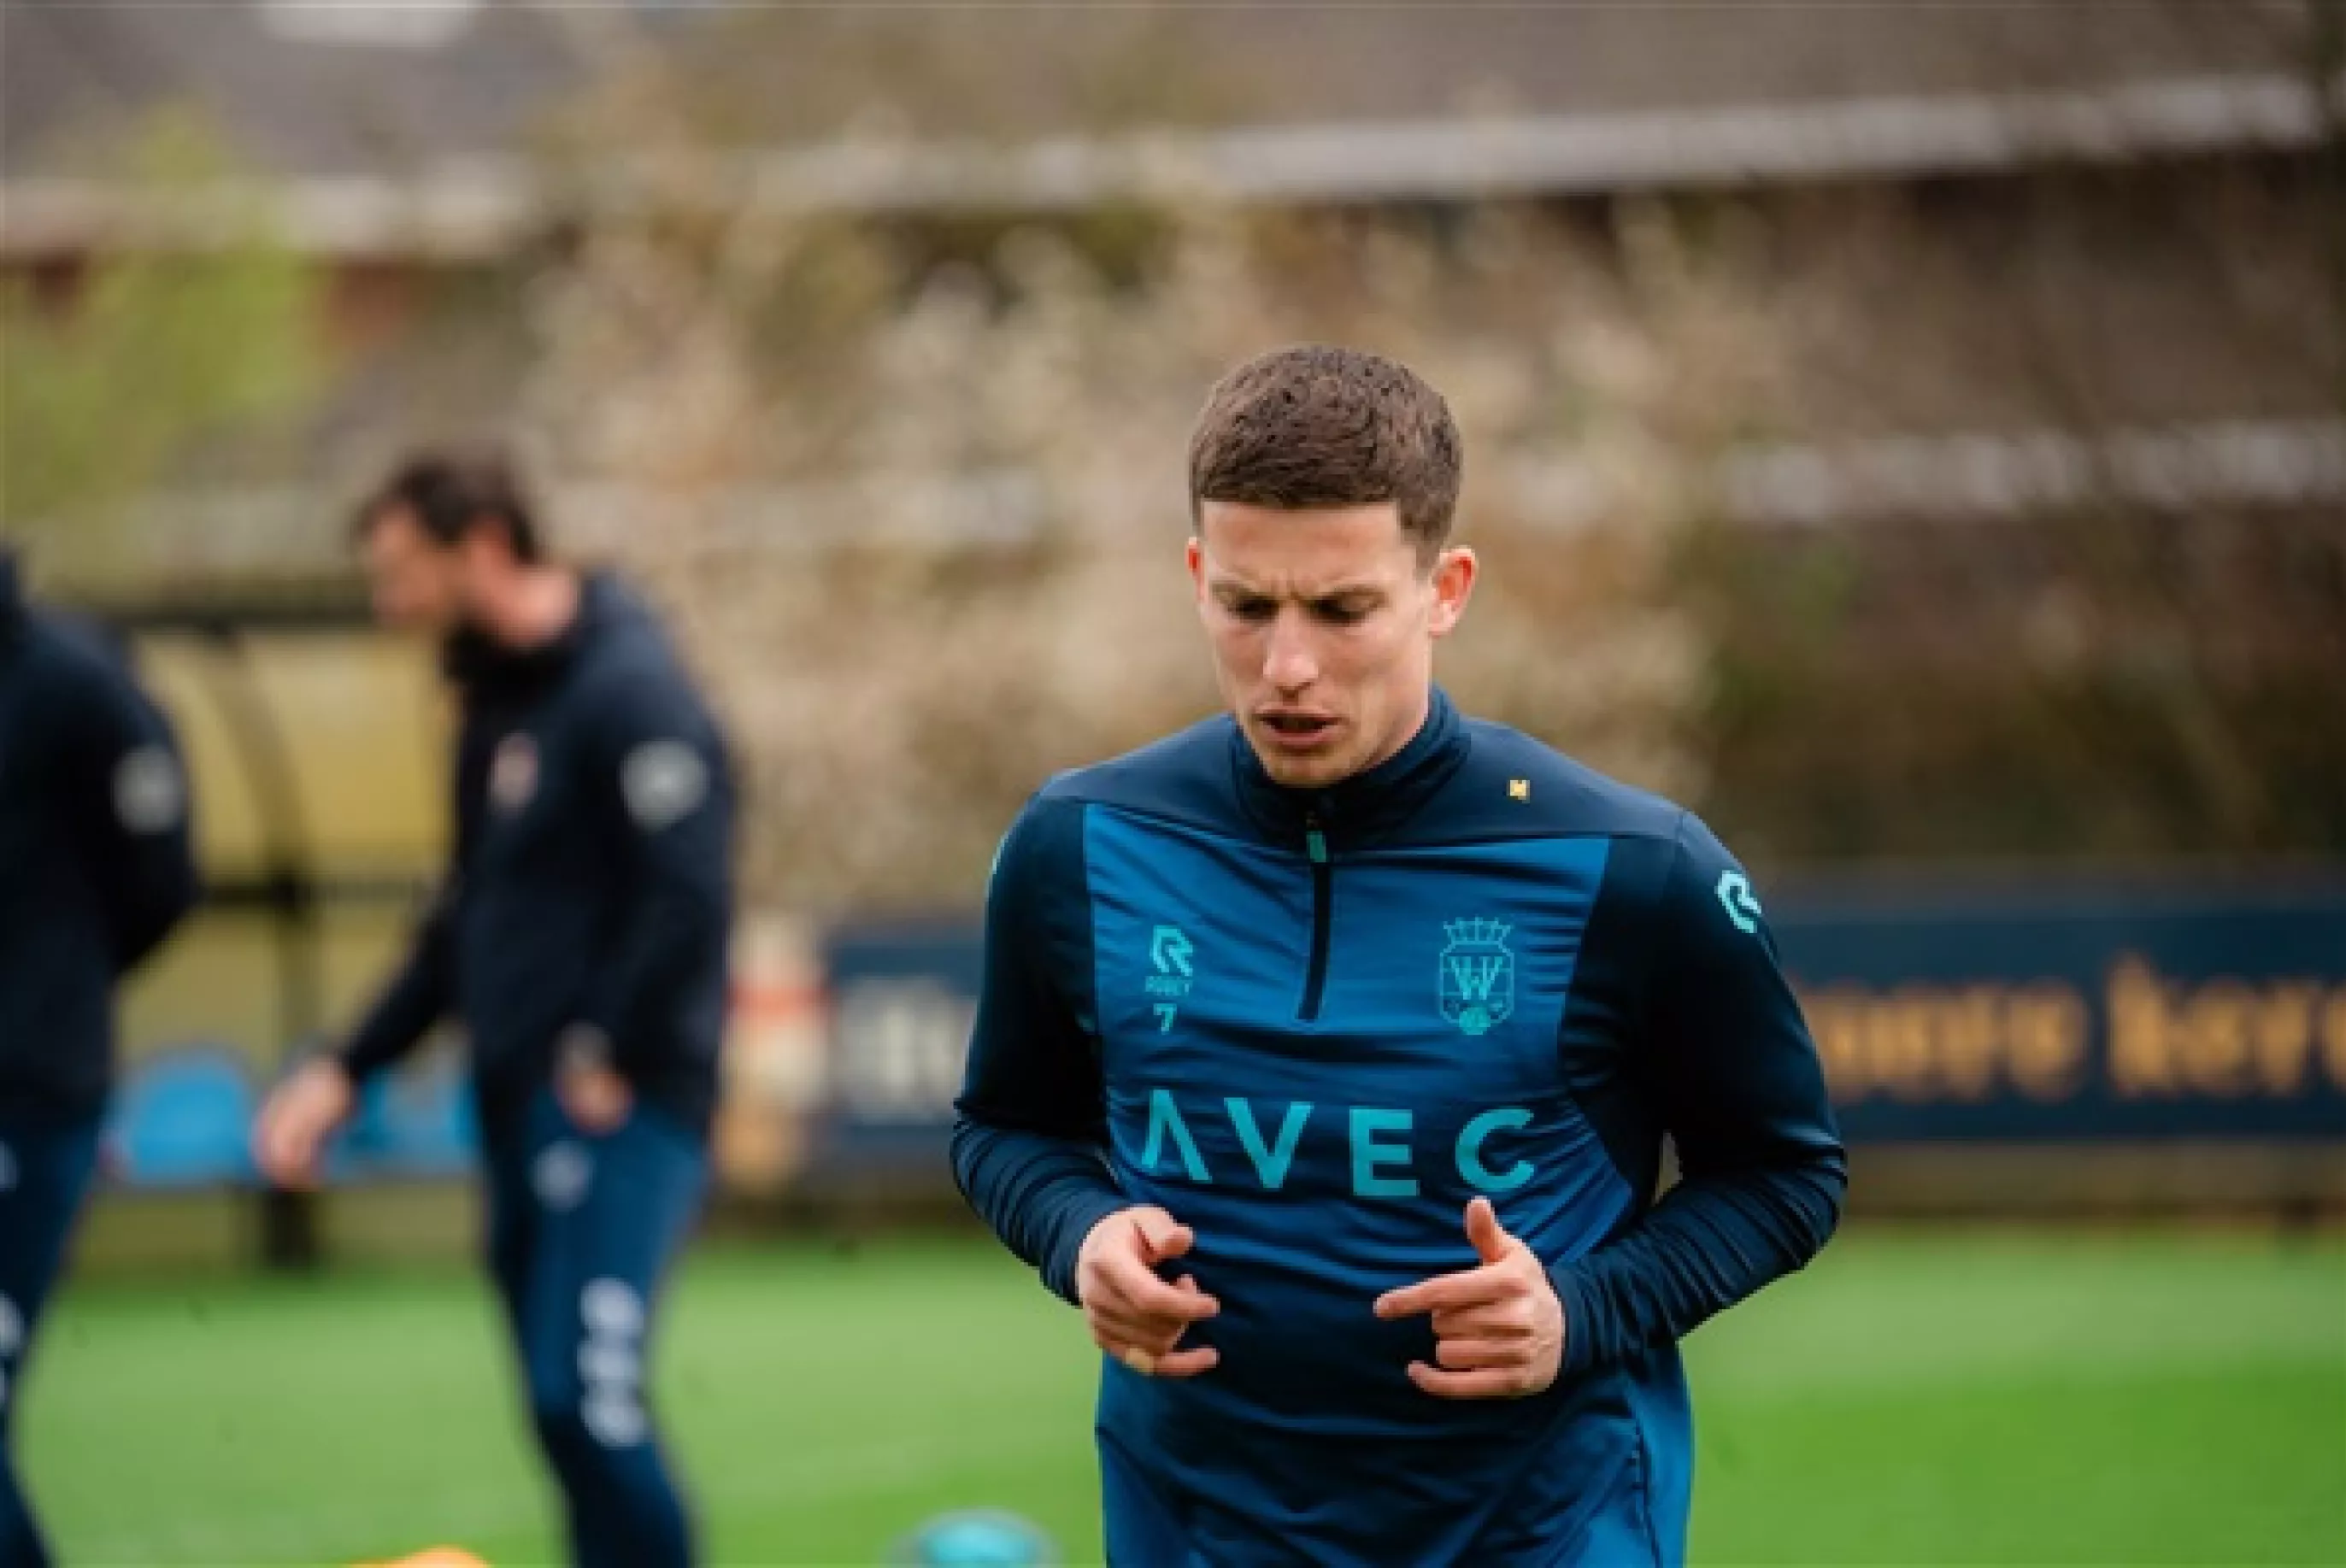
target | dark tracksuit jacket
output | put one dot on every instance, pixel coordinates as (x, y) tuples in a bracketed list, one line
[(1314, 1026), (94, 862), (590, 881), (94, 870)]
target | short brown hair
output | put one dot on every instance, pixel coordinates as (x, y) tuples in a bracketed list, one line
[(452, 494), (1315, 427)]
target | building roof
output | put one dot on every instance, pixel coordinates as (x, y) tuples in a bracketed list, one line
[(291, 101), (405, 127)]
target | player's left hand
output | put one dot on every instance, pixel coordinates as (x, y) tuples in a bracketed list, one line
[(586, 1083), (595, 1098), (1498, 1328)]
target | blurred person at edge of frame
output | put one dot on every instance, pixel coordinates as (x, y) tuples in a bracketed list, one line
[(95, 870)]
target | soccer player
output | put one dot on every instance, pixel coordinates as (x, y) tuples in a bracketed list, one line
[(1326, 1052), (580, 937), (94, 871)]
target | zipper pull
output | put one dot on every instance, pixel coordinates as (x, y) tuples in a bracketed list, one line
[(1315, 842)]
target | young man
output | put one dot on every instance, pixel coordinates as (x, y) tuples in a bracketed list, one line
[(1326, 1051), (580, 937), (94, 871)]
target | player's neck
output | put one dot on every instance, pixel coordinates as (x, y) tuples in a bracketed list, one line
[(1403, 735), (538, 607)]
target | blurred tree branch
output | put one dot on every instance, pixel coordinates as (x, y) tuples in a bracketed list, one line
[(114, 376)]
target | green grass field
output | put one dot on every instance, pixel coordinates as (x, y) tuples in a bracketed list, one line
[(1911, 1399)]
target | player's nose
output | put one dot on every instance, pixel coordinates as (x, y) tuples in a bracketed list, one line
[(1289, 662)]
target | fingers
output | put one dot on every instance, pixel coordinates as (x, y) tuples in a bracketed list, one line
[(295, 1121), (1146, 1340), (285, 1145), (1169, 1364), (1483, 1383), (1125, 1327), (594, 1102), (1135, 1315), (1187, 1363), (1476, 1286), (1149, 1346), (1491, 1244), (1497, 1321), (295, 1172), (1115, 1334), (1162, 1237), (1467, 1355), (1495, 1337), (1128, 1286), (1491, 1280)]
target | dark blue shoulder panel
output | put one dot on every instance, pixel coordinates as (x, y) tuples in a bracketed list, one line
[(1184, 778), (1511, 786)]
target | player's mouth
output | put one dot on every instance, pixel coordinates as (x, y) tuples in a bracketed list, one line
[(1292, 732)]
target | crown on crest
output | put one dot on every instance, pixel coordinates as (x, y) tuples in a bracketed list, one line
[(1476, 932)]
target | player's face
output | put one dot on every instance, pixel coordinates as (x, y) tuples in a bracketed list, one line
[(417, 583), (1323, 623)]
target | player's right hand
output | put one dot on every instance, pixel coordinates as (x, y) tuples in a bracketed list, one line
[(301, 1113), (1136, 1316)]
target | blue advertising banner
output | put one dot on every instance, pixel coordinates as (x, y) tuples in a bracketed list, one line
[(2102, 1015), (2026, 1013), (902, 998)]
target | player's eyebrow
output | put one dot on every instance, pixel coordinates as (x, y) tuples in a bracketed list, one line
[(1345, 595)]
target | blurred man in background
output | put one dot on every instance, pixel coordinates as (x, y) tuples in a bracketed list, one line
[(94, 870), (580, 939), (1326, 1051)]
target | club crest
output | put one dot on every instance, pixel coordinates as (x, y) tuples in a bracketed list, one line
[(512, 773), (1478, 974)]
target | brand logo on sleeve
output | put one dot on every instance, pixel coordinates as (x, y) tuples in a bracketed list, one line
[(148, 797), (664, 781), (1743, 905)]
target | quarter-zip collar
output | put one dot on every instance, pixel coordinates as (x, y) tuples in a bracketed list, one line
[(1367, 805), (487, 670)]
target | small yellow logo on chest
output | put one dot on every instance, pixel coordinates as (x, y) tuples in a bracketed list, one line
[(1519, 789)]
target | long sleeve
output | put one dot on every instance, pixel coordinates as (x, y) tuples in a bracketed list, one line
[(422, 989), (1742, 1094), (420, 992), (133, 791), (1029, 1142), (663, 769)]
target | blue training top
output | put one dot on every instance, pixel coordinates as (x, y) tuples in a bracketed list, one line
[(1313, 1025)]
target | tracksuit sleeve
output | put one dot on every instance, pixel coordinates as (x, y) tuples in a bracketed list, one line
[(1030, 1136), (424, 989), (1742, 1092), (418, 994), (667, 772), (135, 809)]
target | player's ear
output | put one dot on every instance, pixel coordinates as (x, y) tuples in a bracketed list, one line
[(1196, 558), (1453, 585)]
